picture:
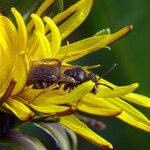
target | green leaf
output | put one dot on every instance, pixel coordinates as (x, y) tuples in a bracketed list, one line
[(58, 7), (25, 7), (73, 138), (58, 133), (23, 142)]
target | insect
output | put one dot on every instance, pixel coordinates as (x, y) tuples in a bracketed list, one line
[(43, 75)]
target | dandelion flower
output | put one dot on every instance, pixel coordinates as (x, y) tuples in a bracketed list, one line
[(28, 46)]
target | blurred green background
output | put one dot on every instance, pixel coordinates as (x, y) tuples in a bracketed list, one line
[(132, 55)]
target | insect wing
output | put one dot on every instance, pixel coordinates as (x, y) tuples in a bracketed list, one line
[(42, 73)]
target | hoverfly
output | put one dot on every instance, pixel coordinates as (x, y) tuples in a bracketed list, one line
[(43, 75)]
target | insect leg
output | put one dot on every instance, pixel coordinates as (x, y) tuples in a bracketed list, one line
[(70, 111), (57, 87), (8, 91), (52, 59), (105, 85), (54, 117)]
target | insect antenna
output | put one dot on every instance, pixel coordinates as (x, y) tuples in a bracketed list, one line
[(105, 73), (108, 71)]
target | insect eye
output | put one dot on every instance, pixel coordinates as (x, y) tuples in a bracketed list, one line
[(81, 75)]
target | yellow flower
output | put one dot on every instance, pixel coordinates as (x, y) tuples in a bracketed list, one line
[(25, 46)]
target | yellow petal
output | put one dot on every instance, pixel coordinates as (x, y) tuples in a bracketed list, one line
[(16, 67), (5, 84), (68, 98), (137, 99), (106, 92), (19, 109), (39, 26), (22, 34), (80, 128), (8, 34), (10, 30), (48, 108), (35, 96), (82, 47), (95, 105), (131, 115), (6, 66), (131, 97), (66, 13), (28, 95), (39, 12), (21, 61), (20, 74), (56, 38), (90, 45), (39, 47), (103, 81), (75, 19), (121, 33)]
